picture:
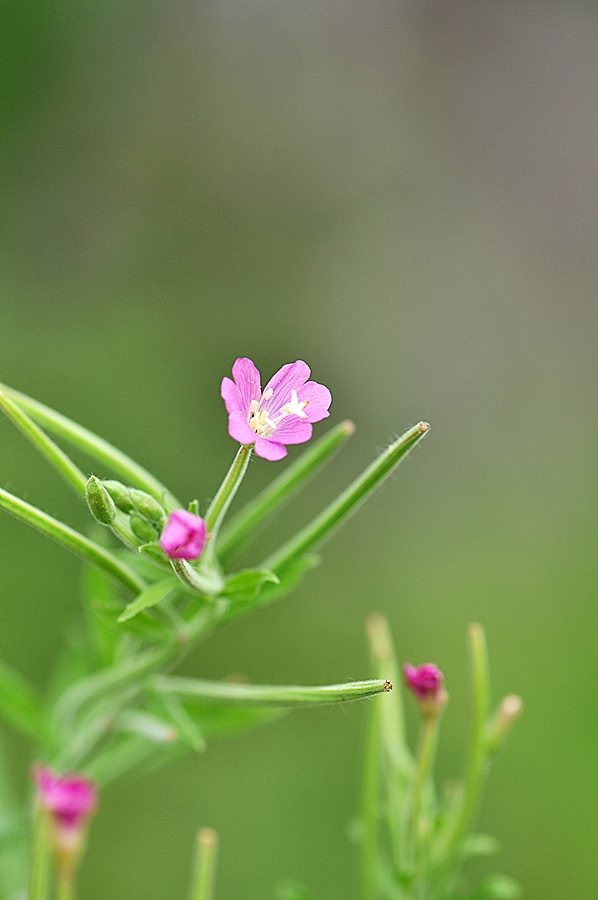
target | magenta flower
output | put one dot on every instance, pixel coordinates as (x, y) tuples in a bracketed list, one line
[(425, 681), (71, 799), (281, 415), (184, 535), (426, 685)]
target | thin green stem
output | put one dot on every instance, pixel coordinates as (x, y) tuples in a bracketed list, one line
[(266, 695), (96, 447), (72, 540), (221, 502), (477, 765), (425, 760), (239, 532), (204, 874), (323, 526), (40, 871), (71, 473), (65, 887)]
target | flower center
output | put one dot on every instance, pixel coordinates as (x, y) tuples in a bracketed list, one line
[(260, 420)]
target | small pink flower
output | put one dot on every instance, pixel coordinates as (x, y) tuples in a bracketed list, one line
[(71, 799), (425, 682), (184, 535), (281, 415)]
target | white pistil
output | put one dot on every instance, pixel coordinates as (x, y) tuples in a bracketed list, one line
[(295, 407)]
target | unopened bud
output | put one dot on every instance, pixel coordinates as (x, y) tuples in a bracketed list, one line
[(120, 495), (499, 726), (142, 529), (425, 683), (147, 506), (99, 501), (70, 801)]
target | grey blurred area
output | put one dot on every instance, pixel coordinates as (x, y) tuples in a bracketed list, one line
[(404, 194)]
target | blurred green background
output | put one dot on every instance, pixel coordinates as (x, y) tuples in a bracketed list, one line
[(404, 194)]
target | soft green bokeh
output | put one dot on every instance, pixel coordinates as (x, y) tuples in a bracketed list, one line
[(406, 196)]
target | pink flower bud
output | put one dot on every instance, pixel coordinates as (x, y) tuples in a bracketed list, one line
[(71, 799), (425, 683), (184, 535)]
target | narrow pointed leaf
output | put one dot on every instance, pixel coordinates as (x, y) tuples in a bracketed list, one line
[(246, 585), (71, 539), (287, 579), (152, 595), (95, 447), (323, 526), (187, 728), (240, 531), (46, 446), (264, 695)]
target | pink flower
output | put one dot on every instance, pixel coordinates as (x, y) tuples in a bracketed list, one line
[(71, 799), (281, 415), (184, 535), (424, 681)]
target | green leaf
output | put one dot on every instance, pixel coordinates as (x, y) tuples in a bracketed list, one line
[(151, 596), (238, 693), (138, 721), (125, 753), (20, 706), (246, 585), (288, 578)]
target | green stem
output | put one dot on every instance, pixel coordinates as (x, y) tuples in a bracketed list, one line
[(94, 446), (204, 875), (346, 504), (477, 766), (52, 452), (72, 540), (266, 695), (239, 532), (425, 761), (65, 887), (221, 502), (40, 873)]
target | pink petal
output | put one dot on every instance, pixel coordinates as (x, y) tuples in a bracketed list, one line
[(239, 429), (319, 398), (293, 430), (271, 450), (184, 535), (291, 377), (247, 379), (231, 395)]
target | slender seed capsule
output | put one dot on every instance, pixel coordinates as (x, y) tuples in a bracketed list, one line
[(142, 529), (99, 501), (147, 506), (120, 495)]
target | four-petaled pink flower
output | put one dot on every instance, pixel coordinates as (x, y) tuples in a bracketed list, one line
[(184, 535), (281, 414), (71, 799)]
